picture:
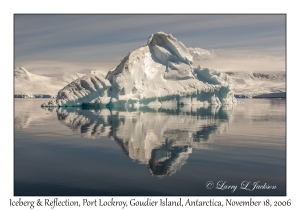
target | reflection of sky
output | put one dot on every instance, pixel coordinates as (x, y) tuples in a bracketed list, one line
[(84, 42)]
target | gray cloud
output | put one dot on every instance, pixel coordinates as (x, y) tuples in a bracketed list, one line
[(100, 41)]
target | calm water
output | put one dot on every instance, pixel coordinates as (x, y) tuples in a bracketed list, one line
[(151, 151)]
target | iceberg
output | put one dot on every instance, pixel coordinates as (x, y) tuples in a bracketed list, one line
[(161, 73)]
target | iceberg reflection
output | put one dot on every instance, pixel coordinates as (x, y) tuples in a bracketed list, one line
[(162, 139)]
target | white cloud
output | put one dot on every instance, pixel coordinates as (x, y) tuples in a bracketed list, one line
[(247, 60), (55, 68)]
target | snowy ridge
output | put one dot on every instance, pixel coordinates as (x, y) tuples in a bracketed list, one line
[(29, 85), (158, 74), (259, 84), (69, 77)]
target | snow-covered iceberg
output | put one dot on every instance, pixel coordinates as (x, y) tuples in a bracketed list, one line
[(161, 73)]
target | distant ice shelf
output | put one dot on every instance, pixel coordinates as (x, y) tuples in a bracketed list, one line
[(270, 84), (33, 96), (161, 73)]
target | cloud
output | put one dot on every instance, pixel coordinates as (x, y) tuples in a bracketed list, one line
[(85, 54), (246, 60), (67, 43), (55, 68), (42, 33)]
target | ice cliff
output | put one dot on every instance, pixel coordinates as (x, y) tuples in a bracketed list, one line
[(161, 73)]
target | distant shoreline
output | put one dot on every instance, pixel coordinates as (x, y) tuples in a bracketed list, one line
[(33, 96), (237, 97)]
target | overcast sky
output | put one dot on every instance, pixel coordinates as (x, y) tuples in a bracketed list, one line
[(55, 44)]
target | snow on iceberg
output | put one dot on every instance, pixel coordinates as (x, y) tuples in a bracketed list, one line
[(159, 74)]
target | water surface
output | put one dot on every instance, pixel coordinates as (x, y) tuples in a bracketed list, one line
[(74, 151)]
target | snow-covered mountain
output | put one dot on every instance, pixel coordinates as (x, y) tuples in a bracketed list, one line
[(160, 73), (32, 85), (259, 84)]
